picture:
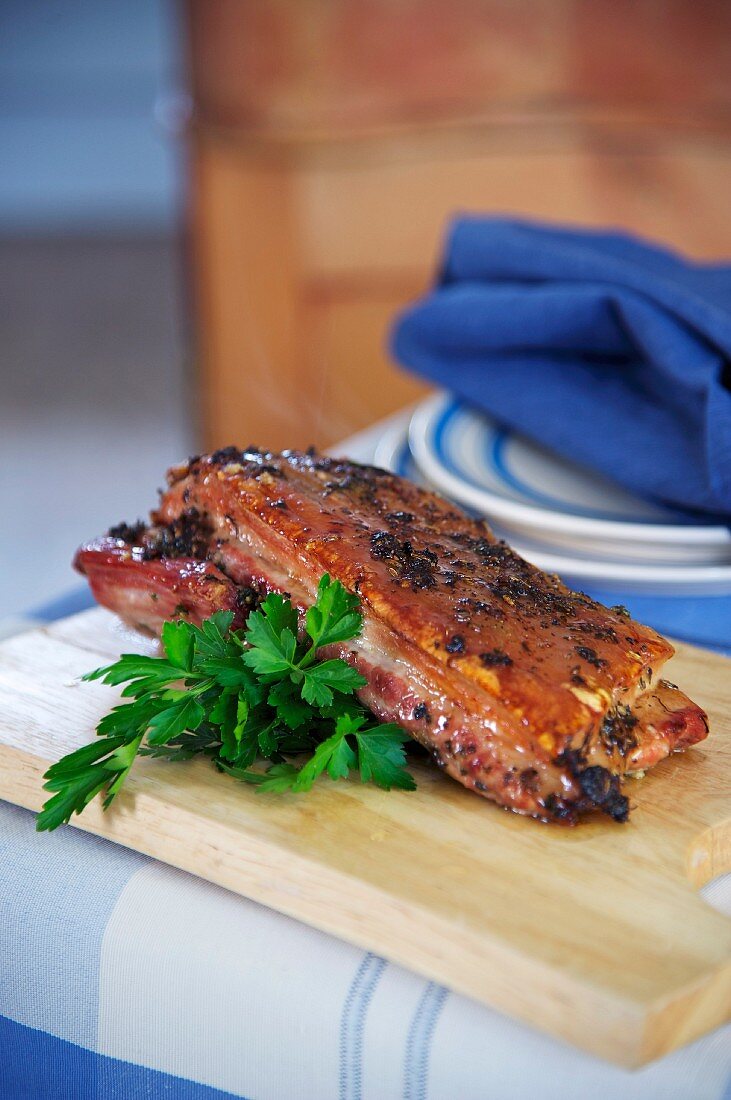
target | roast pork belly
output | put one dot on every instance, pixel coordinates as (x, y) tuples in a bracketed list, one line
[(522, 690)]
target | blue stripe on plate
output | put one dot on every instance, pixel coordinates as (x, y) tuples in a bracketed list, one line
[(36, 1066), (494, 450), (352, 1025), (442, 453), (418, 1043), (495, 458), (52, 922), (80, 599)]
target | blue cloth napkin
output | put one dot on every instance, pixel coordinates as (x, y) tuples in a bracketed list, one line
[(610, 351)]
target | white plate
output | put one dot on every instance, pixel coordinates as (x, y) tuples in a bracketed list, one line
[(507, 478), (392, 453)]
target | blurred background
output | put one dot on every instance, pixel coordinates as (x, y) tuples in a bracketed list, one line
[(92, 352), (211, 210)]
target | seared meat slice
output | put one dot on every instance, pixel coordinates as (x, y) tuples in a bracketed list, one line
[(148, 591), (528, 693)]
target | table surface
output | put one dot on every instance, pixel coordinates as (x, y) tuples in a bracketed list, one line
[(120, 976)]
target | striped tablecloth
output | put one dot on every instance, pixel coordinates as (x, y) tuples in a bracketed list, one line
[(121, 978)]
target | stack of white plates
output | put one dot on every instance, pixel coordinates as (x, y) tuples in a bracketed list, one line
[(560, 516)]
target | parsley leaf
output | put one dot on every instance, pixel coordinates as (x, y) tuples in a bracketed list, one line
[(179, 645), (381, 757), (271, 636), (240, 698), (204, 742), (377, 752), (183, 714), (320, 681), (334, 617)]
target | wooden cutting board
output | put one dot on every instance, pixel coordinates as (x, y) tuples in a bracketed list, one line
[(596, 934)]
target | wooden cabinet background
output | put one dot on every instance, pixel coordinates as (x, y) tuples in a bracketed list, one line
[(332, 139)]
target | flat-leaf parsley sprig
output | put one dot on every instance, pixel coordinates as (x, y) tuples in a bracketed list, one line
[(239, 697)]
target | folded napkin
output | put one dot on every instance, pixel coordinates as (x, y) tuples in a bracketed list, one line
[(610, 351)]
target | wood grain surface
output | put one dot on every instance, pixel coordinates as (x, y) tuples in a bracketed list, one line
[(332, 141), (595, 934)]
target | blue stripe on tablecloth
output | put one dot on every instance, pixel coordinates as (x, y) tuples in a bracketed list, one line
[(38, 1066), (80, 599), (57, 891), (352, 1025), (418, 1043)]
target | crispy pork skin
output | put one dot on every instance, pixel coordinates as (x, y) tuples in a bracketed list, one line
[(530, 694)]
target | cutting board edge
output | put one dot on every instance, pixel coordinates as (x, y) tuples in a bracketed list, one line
[(686, 1017)]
